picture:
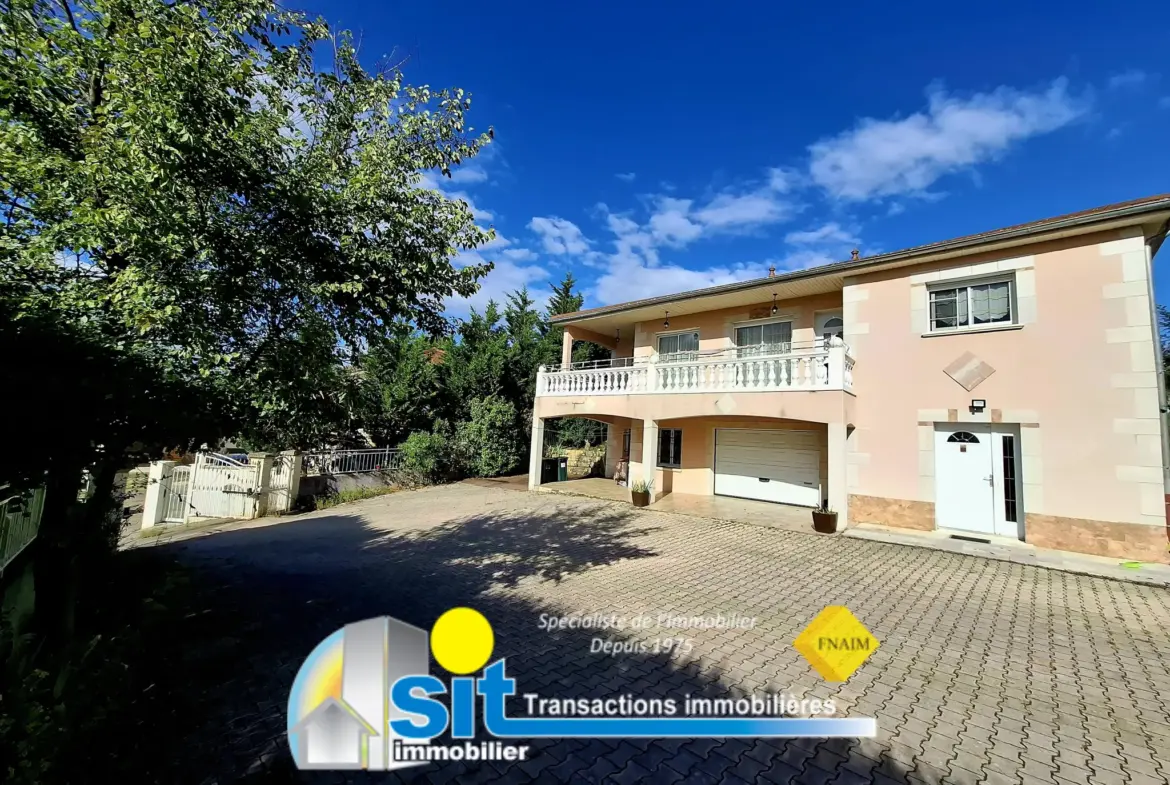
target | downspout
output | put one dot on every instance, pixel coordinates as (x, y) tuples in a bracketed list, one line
[(1162, 408)]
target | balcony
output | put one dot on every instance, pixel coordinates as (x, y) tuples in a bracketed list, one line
[(815, 366)]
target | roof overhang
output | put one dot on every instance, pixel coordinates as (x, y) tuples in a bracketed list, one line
[(1152, 215)]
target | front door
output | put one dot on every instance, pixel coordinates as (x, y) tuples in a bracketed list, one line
[(829, 325), (976, 479)]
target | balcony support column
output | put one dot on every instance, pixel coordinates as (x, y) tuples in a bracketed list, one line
[(836, 368), (838, 433), (650, 457), (566, 350), (537, 454)]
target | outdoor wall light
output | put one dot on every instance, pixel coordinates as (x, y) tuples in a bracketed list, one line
[(666, 323), (978, 405), (617, 337), (774, 308)]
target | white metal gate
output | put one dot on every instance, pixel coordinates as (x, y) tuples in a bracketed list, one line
[(280, 483), (173, 490), (223, 487)]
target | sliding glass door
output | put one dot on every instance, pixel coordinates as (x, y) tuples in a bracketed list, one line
[(764, 339), (678, 347)]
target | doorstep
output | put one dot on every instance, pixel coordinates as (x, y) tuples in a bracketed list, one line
[(1012, 550)]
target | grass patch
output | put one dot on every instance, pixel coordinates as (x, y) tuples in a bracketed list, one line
[(352, 495)]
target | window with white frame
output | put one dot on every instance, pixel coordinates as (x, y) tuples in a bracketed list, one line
[(679, 346), (767, 338), (971, 305)]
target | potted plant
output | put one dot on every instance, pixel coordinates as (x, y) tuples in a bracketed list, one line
[(640, 492), (824, 519)]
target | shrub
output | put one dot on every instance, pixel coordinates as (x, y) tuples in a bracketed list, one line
[(493, 441), (437, 456)]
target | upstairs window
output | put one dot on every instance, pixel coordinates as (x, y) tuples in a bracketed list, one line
[(971, 306), (764, 339), (679, 346)]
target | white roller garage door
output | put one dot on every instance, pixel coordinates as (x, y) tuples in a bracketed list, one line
[(770, 465)]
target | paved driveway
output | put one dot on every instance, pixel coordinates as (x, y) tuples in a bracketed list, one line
[(987, 671)]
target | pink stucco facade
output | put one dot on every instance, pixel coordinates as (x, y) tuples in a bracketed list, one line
[(1076, 377)]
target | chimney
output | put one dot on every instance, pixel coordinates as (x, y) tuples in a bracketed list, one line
[(856, 254), (772, 271)]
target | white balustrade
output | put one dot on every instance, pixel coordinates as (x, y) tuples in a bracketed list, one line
[(819, 368)]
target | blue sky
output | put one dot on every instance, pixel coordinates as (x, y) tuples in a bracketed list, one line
[(652, 150)]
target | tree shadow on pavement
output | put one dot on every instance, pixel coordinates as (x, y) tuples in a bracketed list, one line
[(268, 595)]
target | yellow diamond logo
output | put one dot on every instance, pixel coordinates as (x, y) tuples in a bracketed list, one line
[(836, 643)]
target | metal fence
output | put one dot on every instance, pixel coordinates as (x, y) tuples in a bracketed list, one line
[(351, 461), (20, 518)]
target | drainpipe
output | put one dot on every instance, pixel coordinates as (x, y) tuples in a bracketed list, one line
[(1162, 408)]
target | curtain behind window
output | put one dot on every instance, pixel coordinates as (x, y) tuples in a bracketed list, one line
[(771, 338), (991, 303)]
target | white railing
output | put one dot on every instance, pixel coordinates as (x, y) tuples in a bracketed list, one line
[(351, 461), (793, 367), (20, 519)]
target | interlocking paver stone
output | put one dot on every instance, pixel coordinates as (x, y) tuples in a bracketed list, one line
[(987, 671)]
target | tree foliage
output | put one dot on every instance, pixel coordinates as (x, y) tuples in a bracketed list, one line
[(190, 181), (209, 210), (493, 443)]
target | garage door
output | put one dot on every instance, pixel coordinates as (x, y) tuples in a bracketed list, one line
[(773, 466)]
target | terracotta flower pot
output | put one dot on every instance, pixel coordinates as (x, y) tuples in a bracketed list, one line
[(640, 498), (824, 522)]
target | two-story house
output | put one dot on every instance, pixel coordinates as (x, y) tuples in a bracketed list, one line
[(1007, 383)]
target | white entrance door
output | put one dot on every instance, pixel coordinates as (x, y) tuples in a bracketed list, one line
[(769, 465), (977, 480), (829, 324)]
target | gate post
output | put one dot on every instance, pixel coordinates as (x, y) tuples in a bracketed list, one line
[(153, 507), (295, 463), (263, 461)]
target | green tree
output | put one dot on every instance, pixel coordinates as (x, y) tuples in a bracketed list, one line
[(476, 360), (188, 193), (402, 382), (493, 443), (1164, 336)]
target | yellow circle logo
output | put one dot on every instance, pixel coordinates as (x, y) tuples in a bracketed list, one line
[(462, 640)]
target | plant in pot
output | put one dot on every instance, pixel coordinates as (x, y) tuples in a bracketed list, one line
[(640, 492), (824, 519)]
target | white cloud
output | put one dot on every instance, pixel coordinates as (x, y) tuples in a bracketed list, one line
[(480, 213), (633, 245), (469, 174), (559, 235), (615, 285), (824, 244), (803, 258), (626, 177), (730, 211), (670, 224), (1134, 77), (519, 254), (505, 278), (906, 156), (783, 180), (829, 233), (675, 222)]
